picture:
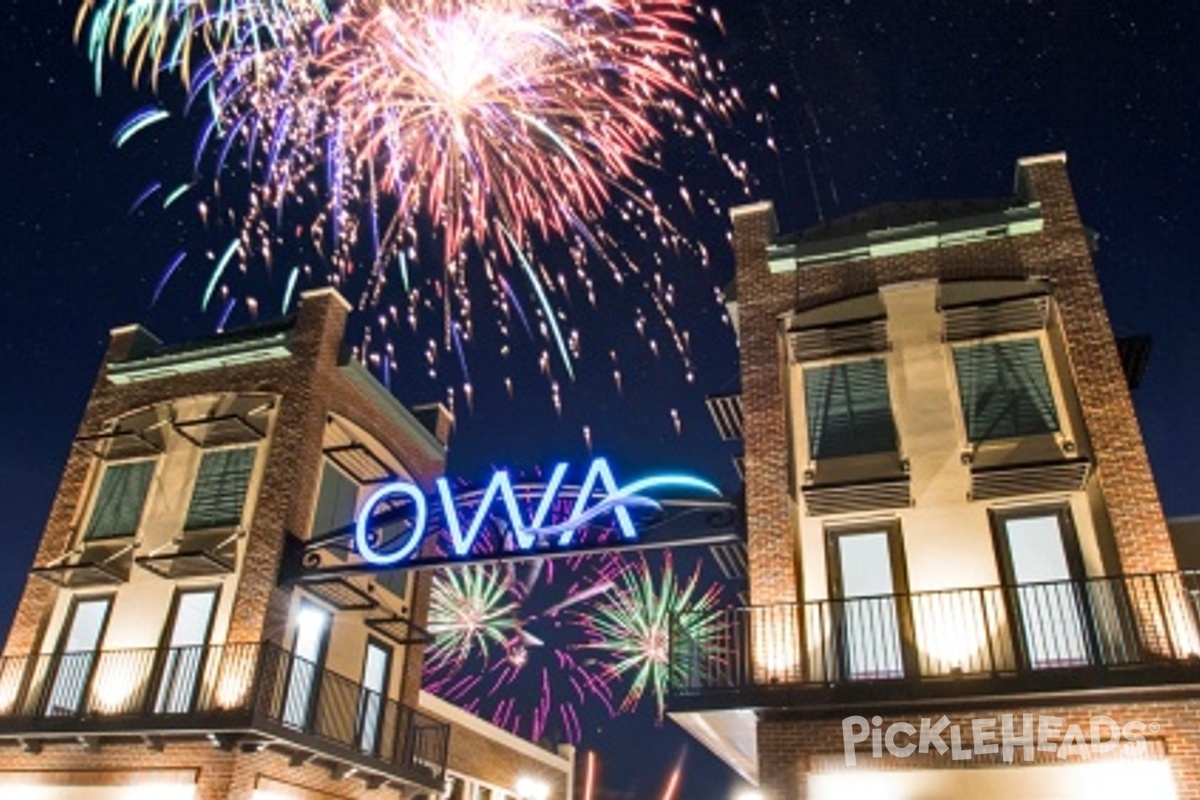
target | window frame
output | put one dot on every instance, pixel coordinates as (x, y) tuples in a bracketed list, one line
[(898, 563), (190, 528), (86, 534), (168, 630), (846, 362), (60, 652), (1057, 405), (329, 463)]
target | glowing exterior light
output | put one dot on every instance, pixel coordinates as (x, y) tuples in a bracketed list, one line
[(526, 534), (532, 789)]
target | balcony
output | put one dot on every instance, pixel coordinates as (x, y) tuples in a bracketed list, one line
[(1125, 631), (250, 696)]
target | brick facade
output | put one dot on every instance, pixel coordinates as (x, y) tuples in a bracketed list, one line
[(1059, 252), (791, 748), (309, 385), (790, 743)]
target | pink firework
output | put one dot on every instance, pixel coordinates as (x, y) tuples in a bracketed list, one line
[(502, 118), (544, 676)]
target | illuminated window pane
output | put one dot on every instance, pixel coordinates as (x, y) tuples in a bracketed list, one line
[(184, 657), (372, 697), (308, 652), (1048, 604), (870, 617), (74, 662)]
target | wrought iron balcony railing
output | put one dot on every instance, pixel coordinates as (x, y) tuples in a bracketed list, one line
[(259, 690), (1098, 631)]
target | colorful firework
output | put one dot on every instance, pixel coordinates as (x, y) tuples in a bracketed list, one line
[(470, 611), (150, 37), (633, 626), (510, 118), (545, 657), (513, 144)]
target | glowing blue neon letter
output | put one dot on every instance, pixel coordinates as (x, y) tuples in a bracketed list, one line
[(361, 539), (501, 484), (598, 484)]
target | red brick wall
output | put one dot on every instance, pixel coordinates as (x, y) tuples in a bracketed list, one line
[(221, 774), (790, 748), (309, 386), (1059, 252), (1122, 467), (474, 754)]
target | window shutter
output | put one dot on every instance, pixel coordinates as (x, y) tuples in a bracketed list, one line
[(120, 501), (220, 490), (849, 410), (1004, 389), (336, 503), (395, 581)]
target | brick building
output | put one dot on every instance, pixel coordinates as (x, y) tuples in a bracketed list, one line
[(950, 512), (170, 641)]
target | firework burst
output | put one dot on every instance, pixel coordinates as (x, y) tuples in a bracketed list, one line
[(470, 612), (444, 163), (150, 37), (633, 626), (544, 655), (503, 119)]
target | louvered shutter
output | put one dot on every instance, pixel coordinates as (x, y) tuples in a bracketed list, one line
[(119, 503), (1004, 389), (220, 490), (848, 408), (336, 503)]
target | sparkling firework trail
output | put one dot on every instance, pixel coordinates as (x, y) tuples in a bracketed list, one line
[(542, 656), (156, 36), (633, 626), (487, 137), (470, 611)]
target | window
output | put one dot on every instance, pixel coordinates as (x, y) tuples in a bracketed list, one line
[(1004, 390), (848, 408), (119, 502), (394, 580), (182, 660), (456, 788), (220, 490), (307, 663), (868, 584), (1042, 567), (373, 695), (336, 502), (76, 657)]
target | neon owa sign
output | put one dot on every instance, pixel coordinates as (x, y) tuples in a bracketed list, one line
[(597, 496)]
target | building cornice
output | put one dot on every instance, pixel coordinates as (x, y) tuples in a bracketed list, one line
[(932, 235)]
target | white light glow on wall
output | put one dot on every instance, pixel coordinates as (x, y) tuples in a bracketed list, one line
[(10, 684), (952, 631), (145, 791), (1114, 779), (775, 634), (532, 789), (113, 689)]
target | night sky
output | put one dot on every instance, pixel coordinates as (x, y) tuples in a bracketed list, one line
[(877, 102)]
